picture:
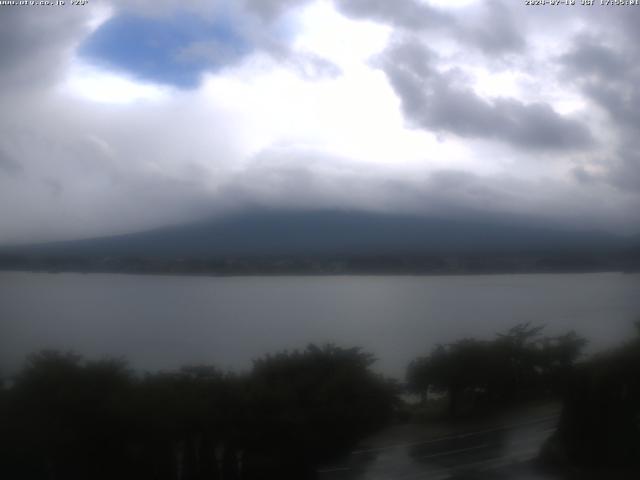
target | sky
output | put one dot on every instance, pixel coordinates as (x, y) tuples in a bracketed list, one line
[(124, 115)]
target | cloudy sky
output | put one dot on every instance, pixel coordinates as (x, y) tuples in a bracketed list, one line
[(122, 115)]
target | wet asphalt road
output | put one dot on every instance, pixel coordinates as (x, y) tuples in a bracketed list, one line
[(503, 452)]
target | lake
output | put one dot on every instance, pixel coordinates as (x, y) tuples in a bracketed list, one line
[(163, 322)]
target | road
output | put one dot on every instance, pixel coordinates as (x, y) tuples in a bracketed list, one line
[(501, 452)]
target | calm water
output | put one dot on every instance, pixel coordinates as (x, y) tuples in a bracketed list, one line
[(161, 322)]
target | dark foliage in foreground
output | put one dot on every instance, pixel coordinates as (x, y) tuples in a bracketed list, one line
[(600, 423), (65, 418), (518, 365)]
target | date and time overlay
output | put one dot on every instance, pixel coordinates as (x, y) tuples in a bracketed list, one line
[(577, 3), (43, 3)]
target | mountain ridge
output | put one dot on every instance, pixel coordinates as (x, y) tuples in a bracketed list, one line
[(331, 232)]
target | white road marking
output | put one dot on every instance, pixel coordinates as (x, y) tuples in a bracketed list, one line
[(498, 461), (454, 437), (453, 452)]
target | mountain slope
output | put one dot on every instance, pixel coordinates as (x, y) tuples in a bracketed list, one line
[(322, 233)]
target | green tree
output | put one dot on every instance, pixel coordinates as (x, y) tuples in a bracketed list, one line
[(517, 364)]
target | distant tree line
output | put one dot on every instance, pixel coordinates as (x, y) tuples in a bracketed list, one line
[(64, 418), (433, 263)]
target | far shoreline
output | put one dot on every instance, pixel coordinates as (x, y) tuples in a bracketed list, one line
[(320, 274)]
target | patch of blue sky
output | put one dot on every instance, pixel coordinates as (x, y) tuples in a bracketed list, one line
[(173, 50)]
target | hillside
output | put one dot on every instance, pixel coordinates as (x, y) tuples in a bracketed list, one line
[(383, 242)]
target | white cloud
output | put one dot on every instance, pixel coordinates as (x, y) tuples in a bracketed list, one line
[(93, 84), (341, 40), (88, 151)]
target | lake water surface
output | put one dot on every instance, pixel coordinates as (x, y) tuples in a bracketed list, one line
[(163, 322)]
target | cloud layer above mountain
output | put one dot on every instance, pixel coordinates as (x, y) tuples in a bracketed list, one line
[(124, 115)]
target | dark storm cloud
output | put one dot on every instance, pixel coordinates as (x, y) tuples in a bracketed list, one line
[(608, 77), (591, 57), (625, 171), (441, 101), (583, 176), (492, 29), (494, 32), (34, 43), (309, 180), (8, 165), (404, 14), (271, 9), (605, 70)]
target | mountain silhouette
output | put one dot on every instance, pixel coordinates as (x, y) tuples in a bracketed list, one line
[(325, 232)]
